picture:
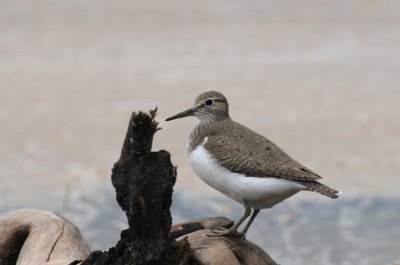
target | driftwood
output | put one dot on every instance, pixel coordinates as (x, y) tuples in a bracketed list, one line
[(207, 250), (144, 182), (33, 237)]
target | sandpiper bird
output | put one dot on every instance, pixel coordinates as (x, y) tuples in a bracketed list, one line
[(241, 163)]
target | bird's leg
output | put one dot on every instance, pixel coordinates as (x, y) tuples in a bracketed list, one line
[(233, 230), (253, 216)]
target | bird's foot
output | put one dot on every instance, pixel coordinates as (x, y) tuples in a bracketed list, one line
[(225, 232)]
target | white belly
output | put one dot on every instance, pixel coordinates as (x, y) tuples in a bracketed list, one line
[(257, 192)]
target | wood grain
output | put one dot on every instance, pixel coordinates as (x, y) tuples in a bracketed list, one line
[(33, 236)]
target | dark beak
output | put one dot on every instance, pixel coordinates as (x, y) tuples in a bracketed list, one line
[(188, 112)]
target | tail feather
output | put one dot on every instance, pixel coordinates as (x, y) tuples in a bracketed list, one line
[(321, 188)]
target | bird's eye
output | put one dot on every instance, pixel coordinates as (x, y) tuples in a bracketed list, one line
[(209, 102)]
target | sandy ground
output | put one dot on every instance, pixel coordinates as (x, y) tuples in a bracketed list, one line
[(319, 79)]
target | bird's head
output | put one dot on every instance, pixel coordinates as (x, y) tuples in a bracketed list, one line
[(208, 106)]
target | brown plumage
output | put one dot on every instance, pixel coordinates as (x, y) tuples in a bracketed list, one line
[(241, 150), (241, 163)]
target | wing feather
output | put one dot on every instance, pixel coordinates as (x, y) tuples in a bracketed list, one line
[(244, 151)]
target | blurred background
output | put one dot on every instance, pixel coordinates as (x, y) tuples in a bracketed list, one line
[(320, 79)]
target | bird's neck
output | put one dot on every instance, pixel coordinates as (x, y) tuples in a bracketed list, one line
[(202, 129)]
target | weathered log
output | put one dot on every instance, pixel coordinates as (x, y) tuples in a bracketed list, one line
[(32, 237), (143, 181), (207, 250)]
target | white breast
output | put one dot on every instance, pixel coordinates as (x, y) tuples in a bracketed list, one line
[(258, 192)]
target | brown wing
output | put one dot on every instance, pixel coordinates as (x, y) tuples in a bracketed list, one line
[(243, 151)]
